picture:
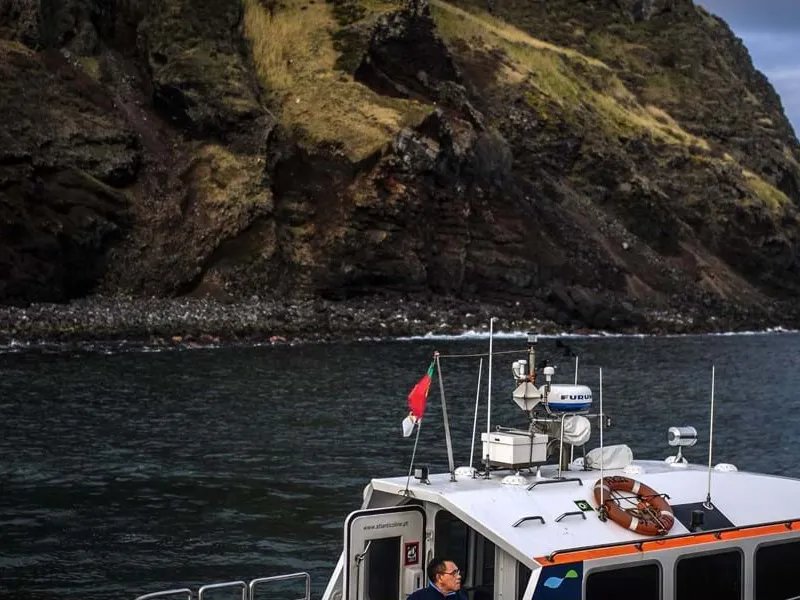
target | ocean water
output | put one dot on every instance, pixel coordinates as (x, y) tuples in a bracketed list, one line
[(125, 470)]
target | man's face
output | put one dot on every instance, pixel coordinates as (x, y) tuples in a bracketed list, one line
[(450, 579)]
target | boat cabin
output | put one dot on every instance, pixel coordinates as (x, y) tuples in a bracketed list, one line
[(537, 525), (532, 537)]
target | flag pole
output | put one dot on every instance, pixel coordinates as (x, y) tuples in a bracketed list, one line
[(413, 455), (416, 404), (450, 460)]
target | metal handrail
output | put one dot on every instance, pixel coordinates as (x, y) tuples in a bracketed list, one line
[(227, 584), (164, 593), (573, 513), (261, 580), (523, 519), (561, 480), (248, 590)]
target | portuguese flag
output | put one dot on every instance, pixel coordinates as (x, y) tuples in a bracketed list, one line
[(418, 396)]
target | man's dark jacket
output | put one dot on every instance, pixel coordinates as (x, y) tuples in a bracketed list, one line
[(430, 592)]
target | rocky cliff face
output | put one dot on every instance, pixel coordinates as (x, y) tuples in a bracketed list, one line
[(573, 158)]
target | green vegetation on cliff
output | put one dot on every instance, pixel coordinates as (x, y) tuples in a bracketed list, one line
[(293, 50), (563, 83)]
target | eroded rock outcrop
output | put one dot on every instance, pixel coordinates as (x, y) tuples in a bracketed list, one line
[(196, 60), (63, 156)]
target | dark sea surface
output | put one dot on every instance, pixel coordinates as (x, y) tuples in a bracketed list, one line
[(125, 471)]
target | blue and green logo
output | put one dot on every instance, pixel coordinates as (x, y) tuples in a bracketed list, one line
[(555, 582), (560, 582)]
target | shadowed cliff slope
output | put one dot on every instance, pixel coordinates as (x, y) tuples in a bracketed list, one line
[(604, 164)]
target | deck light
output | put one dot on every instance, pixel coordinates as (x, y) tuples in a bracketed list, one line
[(421, 473)]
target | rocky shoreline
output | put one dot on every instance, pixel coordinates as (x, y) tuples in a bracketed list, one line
[(191, 321)]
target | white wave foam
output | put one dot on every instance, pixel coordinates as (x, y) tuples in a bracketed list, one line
[(472, 334)]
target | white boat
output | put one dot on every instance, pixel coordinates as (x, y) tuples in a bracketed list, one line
[(531, 523)]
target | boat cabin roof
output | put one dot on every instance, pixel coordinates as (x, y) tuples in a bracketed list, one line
[(492, 507)]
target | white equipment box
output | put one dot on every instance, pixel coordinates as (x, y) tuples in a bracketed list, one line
[(514, 450)]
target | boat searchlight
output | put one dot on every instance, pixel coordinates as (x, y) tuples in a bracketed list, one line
[(682, 437)]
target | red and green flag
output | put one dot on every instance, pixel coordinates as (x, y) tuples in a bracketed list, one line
[(417, 398)]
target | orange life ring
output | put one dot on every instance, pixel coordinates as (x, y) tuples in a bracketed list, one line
[(649, 512)]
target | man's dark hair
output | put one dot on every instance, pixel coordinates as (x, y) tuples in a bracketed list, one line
[(436, 567)]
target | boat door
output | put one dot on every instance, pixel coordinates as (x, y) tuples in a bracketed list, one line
[(384, 553)]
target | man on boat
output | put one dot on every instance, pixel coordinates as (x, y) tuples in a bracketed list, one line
[(444, 581)]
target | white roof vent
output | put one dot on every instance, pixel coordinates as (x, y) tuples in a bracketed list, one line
[(633, 470), (515, 479), (466, 472), (725, 468)]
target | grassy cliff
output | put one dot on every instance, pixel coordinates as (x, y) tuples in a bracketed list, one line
[(605, 165)]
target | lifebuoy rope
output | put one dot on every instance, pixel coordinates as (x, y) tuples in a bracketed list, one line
[(649, 512)]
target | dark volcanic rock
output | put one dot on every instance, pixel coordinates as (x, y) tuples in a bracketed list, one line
[(62, 118), (606, 164), (20, 21), (59, 156), (644, 10), (406, 57)]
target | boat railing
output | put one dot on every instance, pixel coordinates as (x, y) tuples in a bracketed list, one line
[(185, 592), (223, 586), (276, 578), (578, 480), (248, 590)]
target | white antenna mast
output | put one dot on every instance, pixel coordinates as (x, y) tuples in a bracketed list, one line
[(475, 419), (576, 369), (489, 403), (708, 504), (602, 454)]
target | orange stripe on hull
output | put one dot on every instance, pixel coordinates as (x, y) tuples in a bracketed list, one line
[(654, 545)]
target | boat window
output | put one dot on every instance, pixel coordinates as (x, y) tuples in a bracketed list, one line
[(474, 554), (523, 575), (452, 540), (776, 571), (383, 569), (704, 576), (642, 582), (484, 581)]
